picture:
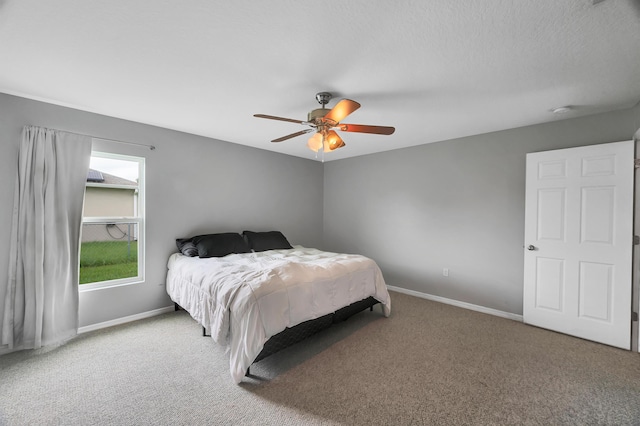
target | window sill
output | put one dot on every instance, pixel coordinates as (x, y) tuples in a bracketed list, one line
[(82, 288)]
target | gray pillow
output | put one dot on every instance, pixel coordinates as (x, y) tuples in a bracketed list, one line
[(262, 241), (186, 247), (219, 245)]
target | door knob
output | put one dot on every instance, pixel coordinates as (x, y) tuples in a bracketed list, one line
[(531, 247)]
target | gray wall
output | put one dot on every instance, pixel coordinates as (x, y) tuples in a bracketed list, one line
[(194, 185), (457, 204)]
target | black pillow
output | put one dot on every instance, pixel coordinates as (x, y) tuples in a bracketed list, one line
[(218, 245), (186, 247), (261, 241)]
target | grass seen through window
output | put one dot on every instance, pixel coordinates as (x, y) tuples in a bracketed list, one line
[(108, 260)]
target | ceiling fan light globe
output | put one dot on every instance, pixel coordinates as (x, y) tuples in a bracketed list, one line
[(332, 147), (332, 141), (315, 142)]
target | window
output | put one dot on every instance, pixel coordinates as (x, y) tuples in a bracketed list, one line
[(112, 245)]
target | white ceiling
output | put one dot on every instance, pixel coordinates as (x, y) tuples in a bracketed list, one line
[(435, 70)]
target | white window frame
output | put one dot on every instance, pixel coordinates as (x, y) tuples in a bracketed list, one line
[(139, 220)]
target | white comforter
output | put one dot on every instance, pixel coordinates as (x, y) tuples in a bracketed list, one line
[(244, 299)]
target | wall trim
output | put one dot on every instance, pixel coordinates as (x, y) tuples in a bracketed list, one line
[(123, 320), (458, 303), (465, 305)]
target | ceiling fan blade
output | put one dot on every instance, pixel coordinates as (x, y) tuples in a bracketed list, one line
[(362, 128), (293, 135), (273, 117), (341, 110)]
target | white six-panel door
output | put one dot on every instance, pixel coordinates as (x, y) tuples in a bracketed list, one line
[(579, 240)]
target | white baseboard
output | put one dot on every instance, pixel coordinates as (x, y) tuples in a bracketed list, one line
[(124, 320), (427, 296), (457, 303)]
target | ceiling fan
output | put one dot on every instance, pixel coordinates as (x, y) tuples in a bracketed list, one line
[(324, 120)]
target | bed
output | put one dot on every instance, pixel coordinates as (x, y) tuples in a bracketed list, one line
[(255, 293)]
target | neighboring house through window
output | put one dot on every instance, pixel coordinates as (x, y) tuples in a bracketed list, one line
[(112, 246)]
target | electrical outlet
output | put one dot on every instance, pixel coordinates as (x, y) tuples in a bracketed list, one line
[(445, 272)]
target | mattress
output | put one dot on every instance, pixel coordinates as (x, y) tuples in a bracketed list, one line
[(244, 299)]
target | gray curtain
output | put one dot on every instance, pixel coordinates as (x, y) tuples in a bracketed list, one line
[(41, 298)]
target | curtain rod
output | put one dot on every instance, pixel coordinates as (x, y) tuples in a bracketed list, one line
[(151, 147)]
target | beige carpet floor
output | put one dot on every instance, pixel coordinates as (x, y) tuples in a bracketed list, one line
[(428, 364)]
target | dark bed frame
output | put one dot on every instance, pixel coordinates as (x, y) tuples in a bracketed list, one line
[(297, 333)]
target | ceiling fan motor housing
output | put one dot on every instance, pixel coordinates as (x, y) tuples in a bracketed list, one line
[(317, 114)]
